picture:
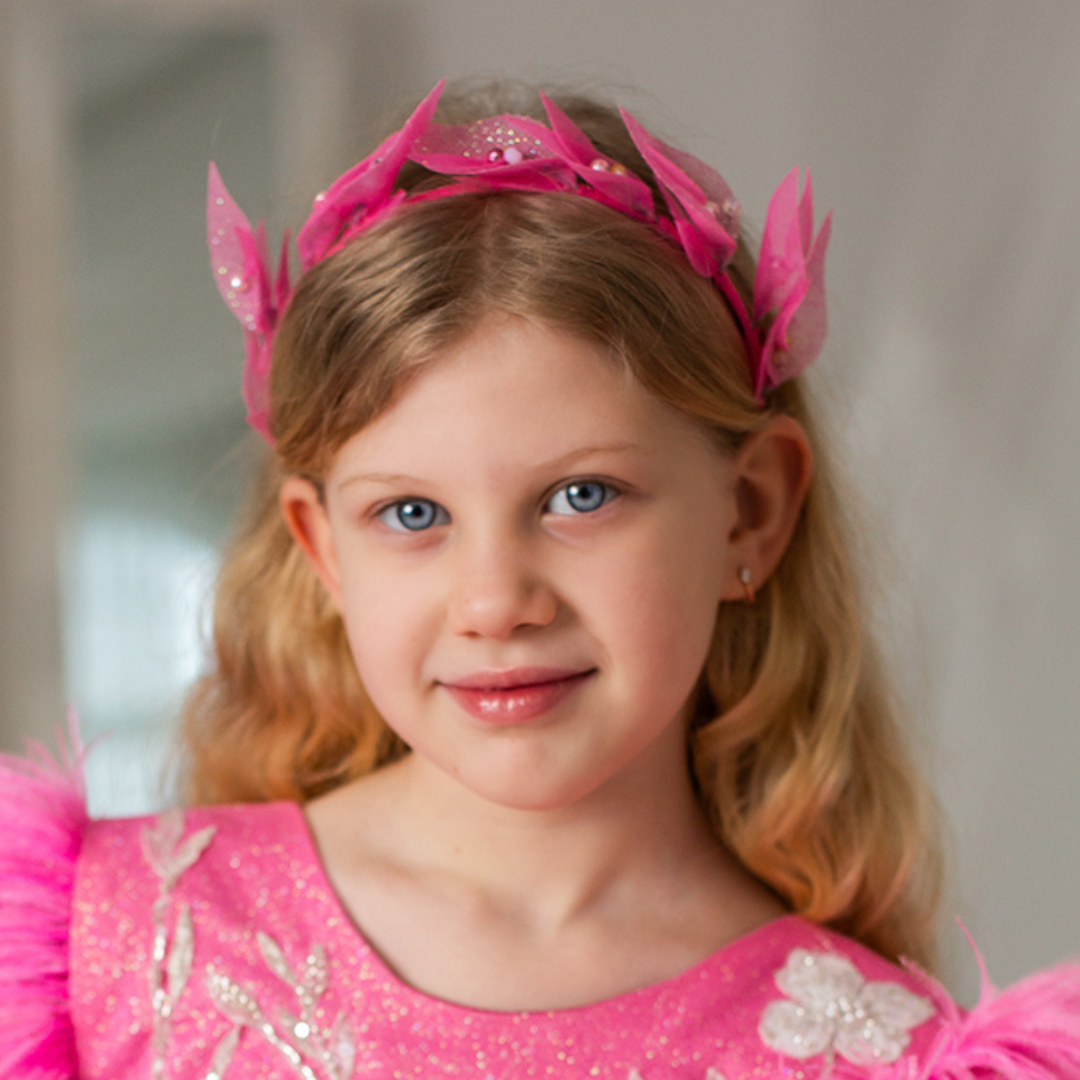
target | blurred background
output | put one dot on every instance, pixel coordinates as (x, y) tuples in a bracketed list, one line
[(945, 134)]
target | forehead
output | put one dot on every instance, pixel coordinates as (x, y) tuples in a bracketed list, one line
[(524, 391)]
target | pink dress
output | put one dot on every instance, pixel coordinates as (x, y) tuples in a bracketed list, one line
[(209, 945)]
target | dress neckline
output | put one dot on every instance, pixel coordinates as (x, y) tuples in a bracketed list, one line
[(726, 956)]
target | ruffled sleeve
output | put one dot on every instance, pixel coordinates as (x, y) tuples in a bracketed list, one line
[(42, 819), (1031, 1031)]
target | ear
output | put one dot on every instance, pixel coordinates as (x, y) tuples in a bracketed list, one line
[(773, 468), (305, 515)]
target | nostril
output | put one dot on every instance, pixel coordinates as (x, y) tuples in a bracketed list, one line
[(493, 604)]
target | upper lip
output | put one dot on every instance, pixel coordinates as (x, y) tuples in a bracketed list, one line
[(512, 677)]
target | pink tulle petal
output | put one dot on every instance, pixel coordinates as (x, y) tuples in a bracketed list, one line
[(543, 174), (620, 189), (255, 386), (282, 284), (573, 141), (808, 326), (695, 192), (781, 263), (484, 146), (806, 212), (684, 173), (240, 259), (789, 287), (365, 186), (234, 253)]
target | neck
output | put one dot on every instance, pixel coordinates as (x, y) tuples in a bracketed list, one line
[(644, 830), (500, 907)]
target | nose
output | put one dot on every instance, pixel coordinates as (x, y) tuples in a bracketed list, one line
[(499, 590)]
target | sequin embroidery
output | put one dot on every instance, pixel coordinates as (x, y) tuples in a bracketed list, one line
[(834, 1010), (169, 855), (300, 1036)]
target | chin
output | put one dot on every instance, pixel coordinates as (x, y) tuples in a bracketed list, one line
[(535, 794)]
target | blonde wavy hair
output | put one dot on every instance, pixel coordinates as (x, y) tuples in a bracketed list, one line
[(794, 743)]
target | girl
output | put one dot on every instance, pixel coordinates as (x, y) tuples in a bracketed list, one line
[(544, 736)]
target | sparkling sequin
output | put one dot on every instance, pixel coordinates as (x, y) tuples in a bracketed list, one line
[(493, 140)]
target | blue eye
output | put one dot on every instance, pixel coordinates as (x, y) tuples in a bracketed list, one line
[(581, 497), (413, 515)]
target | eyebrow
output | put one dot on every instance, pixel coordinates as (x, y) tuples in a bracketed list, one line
[(562, 462)]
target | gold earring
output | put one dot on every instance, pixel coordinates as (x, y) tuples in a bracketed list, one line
[(747, 583)]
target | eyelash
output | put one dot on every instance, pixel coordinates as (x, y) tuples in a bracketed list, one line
[(390, 515)]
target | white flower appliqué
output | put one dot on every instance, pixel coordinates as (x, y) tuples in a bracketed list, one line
[(834, 1010)]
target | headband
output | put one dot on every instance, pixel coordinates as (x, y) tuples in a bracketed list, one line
[(784, 328)]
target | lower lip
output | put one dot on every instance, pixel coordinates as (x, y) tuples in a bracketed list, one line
[(516, 704)]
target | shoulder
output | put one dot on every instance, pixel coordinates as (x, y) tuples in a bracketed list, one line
[(158, 903), (82, 903), (226, 864), (216, 863), (161, 849), (828, 1004)]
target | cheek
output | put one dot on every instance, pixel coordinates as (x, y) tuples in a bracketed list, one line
[(384, 617), (663, 594)]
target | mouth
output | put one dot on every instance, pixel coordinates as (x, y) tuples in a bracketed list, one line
[(506, 698)]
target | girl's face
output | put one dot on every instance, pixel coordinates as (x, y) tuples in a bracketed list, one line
[(528, 552)]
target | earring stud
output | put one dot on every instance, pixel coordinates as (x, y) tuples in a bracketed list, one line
[(746, 578)]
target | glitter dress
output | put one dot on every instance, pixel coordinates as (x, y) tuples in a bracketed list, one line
[(209, 945)]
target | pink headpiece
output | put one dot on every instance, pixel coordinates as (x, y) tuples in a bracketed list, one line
[(784, 331)]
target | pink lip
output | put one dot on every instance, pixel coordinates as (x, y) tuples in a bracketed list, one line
[(517, 696)]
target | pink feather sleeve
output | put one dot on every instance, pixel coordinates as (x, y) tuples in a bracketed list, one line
[(42, 818), (1030, 1031)]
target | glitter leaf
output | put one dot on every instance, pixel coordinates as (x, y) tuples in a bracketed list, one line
[(159, 840), (189, 851), (178, 965), (232, 1000), (223, 1055), (275, 958), (344, 1046)]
